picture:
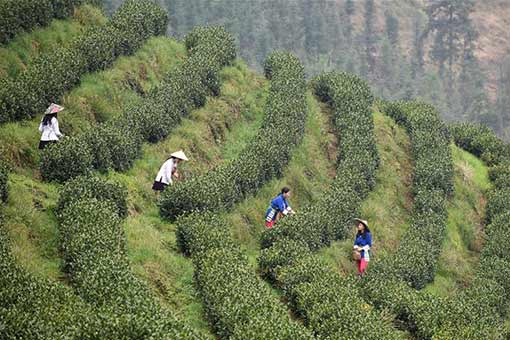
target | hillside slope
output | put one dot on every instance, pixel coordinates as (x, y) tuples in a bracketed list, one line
[(214, 135)]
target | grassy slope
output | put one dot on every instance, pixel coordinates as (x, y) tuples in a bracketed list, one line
[(17, 54), (387, 206), (100, 96), (214, 134), (205, 137), (465, 223), (308, 174), (29, 210), (210, 133)]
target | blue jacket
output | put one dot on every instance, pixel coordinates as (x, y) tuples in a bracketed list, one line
[(278, 205), (362, 242)]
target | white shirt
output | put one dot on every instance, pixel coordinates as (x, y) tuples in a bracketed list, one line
[(165, 173), (50, 132)]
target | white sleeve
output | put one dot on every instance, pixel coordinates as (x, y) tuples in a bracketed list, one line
[(41, 125), (54, 122)]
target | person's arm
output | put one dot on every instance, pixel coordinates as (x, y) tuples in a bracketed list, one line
[(175, 173), (54, 122), (41, 126)]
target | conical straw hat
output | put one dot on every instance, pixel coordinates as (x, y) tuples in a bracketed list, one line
[(53, 108), (180, 155), (362, 221)]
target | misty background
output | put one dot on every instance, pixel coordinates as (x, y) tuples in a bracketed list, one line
[(452, 53)]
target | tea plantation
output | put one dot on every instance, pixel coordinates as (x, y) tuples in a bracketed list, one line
[(89, 251)]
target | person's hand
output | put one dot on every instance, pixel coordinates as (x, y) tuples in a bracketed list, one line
[(176, 174)]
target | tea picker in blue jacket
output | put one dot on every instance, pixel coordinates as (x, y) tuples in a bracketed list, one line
[(362, 245), (278, 208)]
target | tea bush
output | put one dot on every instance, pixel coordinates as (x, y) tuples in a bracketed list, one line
[(415, 259), (93, 187), (51, 75), (70, 158), (481, 141), (96, 262), (265, 156), (483, 306), (24, 15), (328, 304), (331, 217), (108, 144), (36, 308), (478, 311), (237, 302)]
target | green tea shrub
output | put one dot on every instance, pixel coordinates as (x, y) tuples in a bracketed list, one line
[(111, 147), (237, 302), (265, 156)]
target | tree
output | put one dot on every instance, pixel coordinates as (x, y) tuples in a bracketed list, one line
[(369, 36), (349, 12), (453, 32), (392, 28), (417, 62)]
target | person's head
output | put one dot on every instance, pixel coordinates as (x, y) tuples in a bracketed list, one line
[(286, 192), (176, 160), (48, 117), (362, 226)]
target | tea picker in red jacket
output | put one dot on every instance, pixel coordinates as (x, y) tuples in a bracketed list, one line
[(278, 208)]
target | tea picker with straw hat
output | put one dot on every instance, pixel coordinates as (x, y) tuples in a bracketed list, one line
[(362, 245), (49, 126), (168, 170)]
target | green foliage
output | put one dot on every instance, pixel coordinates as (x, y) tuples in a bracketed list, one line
[(330, 218), (138, 21), (51, 75), (477, 311), (500, 175), (480, 141), (95, 256), (21, 15), (416, 259), (69, 158), (24, 15), (231, 291), (111, 147), (99, 47), (93, 187), (263, 159), (329, 305)]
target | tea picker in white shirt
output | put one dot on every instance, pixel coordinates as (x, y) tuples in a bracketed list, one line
[(168, 171), (49, 126)]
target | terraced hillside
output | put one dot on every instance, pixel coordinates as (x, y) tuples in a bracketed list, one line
[(88, 250)]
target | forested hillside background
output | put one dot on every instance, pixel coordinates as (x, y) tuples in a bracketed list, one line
[(452, 53)]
